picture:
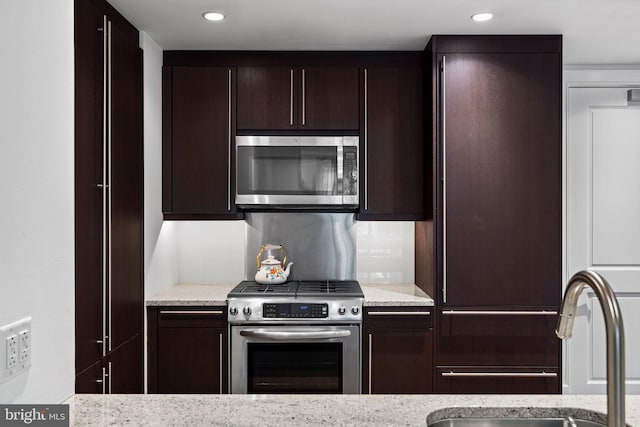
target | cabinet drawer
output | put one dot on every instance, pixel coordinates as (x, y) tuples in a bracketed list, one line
[(192, 317), (398, 318), (497, 338), (499, 380)]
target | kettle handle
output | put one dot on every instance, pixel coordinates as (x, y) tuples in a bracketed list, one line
[(262, 249)]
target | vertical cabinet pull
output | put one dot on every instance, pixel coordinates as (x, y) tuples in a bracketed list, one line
[(291, 97), (110, 377), (109, 170), (366, 145), (229, 150), (370, 360), (103, 185), (303, 98), (221, 370), (103, 381), (443, 102)]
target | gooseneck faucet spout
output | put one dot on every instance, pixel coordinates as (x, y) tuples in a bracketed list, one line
[(615, 336)]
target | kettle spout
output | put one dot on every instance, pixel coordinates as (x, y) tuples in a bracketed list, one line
[(287, 271)]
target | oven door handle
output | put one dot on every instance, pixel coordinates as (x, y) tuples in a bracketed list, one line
[(288, 336)]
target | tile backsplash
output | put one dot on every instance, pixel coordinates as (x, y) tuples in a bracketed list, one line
[(385, 252), (214, 252)]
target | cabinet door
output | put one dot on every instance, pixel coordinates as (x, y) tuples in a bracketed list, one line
[(124, 367), (92, 380), (191, 352), (398, 353), (88, 194), (498, 338), (329, 98), (500, 380), (198, 155), (501, 151), (266, 98), (391, 145), (126, 190)]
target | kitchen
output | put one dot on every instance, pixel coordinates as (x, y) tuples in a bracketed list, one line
[(51, 377)]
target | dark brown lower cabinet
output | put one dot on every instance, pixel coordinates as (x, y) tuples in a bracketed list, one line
[(187, 350), (120, 371), (498, 380), (498, 351), (397, 351)]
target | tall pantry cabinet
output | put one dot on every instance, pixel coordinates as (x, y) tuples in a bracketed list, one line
[(108, 201), (496, 116)]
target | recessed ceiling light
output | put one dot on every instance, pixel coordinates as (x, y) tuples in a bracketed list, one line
[(213, 16), (482, 16)]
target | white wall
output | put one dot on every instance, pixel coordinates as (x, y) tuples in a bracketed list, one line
[(160, 244), (36, 194)]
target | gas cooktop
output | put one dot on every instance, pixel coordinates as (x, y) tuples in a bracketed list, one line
[(296, 289), (335, 302)]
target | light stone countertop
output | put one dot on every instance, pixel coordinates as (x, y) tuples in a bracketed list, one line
[(306, 410), (375, 295)]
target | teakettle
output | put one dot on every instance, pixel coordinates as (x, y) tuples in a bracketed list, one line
[(270, 270)]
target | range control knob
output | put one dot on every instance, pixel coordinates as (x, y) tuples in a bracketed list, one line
[(233, 310), (342, 310), (247, 310), (355, 310)]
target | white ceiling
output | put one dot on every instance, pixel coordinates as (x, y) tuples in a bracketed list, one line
[(595, 31)]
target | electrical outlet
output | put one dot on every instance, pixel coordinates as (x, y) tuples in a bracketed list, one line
[(25, 338), (16, 357), (12, 361)]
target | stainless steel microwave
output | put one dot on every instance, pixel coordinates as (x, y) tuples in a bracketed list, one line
[(297, 171)]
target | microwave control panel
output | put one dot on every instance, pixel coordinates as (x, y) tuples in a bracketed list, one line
[(350, 168), (295, 310)]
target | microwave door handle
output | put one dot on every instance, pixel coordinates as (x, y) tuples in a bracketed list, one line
[(290, 336), (340, 169)]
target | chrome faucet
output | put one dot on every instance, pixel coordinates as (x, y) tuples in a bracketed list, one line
[(615, 336)]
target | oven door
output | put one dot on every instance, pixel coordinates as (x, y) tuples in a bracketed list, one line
[(295, 359)]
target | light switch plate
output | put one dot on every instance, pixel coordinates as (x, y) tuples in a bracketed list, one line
[(15, 354)]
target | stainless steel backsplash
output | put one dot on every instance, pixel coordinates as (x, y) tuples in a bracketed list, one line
[(322, 246)]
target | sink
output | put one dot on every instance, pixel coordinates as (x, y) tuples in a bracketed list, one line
[(516, 417)]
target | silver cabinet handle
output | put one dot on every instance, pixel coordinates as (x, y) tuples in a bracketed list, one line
[(500, 313), (399, 313), (370, 360), (110, 377), (291, 98), (443, 101), (109, 183), (212, 312), (288, 336), (366, 141), (104, 184), (220, 363), (500, 374), (229, 150), (103, 381), (303, 98)]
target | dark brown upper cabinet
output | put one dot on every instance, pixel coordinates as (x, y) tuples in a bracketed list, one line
[(391, 144), (198, 155), (500, 151), (297, 98)]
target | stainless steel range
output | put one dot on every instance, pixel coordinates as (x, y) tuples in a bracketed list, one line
[(297, 337)]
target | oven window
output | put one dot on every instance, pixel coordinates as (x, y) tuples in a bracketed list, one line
[(295, 368), (287, 170)]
